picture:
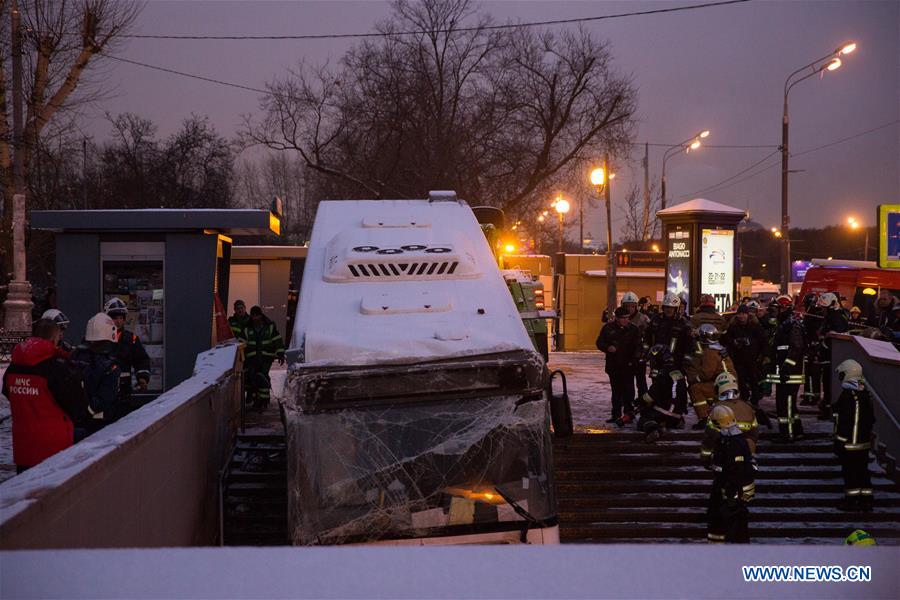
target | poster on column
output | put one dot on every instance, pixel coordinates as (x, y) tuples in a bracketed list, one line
[(717, 266), (678, 264)]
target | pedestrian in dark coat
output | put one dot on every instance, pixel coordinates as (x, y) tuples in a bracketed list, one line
[(620, 340)]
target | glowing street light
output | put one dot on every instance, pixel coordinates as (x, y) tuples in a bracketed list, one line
[(692, 143), (854, 225), (562, 207), (509, 248), (815, 67), (655, 247)]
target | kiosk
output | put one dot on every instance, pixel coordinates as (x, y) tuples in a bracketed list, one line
[(168, 265), (701, 248)]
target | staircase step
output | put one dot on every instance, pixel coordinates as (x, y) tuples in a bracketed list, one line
[(797, 516), (880, 531), (698, 501)]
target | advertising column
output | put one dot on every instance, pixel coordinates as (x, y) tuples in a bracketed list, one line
[(678, 271), (717, 266)]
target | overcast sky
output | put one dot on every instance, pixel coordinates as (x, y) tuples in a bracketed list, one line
[(720, 68)]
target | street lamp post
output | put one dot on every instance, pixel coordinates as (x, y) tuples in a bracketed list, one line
[(692, 143), (817, 66), (562, 207), (854, 224), (600, 178)]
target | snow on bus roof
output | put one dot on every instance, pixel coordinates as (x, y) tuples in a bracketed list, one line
[(391, 281)]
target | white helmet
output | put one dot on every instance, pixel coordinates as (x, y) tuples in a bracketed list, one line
[(57, 316), (100, 328), (629, 297), (849, 370), (828, 300), (115, 307), (671, 299), (753, 305)]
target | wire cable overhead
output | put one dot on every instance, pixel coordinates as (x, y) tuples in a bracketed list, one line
[(332, 36)]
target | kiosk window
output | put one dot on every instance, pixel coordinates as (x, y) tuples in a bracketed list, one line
[(140, 285)]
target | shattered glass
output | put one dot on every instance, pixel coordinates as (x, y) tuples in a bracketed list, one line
[(410, 469)]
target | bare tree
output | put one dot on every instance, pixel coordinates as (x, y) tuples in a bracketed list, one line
[(633, 228), (502, 116), (61, 38)]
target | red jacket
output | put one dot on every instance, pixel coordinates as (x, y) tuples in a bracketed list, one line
[(46, 399)]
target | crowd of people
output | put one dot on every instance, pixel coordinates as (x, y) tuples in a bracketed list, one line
[(59, 394), (725, 364)]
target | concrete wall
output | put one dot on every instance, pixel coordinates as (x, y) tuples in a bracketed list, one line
[(881, 368), (583, 298), (274, 279), (148, 480)]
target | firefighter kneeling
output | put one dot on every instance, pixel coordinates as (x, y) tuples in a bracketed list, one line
[(853, 421), (656, 415), (702, 367), (733, 487)]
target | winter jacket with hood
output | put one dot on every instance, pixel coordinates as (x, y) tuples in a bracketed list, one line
[(46, 400)]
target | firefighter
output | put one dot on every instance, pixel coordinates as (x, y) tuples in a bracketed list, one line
[(672, 330), (835, 319), (787, 368), (706, 313), (734, 485), (728, 394), (264, 346), (745, 341), (812, 321), (621, 341), (853, 421), (656, 404), (708, 360), (130, 356), (239, 320), (642, 322), (768, 319), (63, 349), (860, 538), (96, 359)]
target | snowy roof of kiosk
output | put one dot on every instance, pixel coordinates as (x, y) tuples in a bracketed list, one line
[(388, 310), (701, 205)]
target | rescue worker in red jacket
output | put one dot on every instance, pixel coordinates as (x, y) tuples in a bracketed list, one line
[(45, 397)]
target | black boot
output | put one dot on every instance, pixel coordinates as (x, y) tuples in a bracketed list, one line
[(699, 425)]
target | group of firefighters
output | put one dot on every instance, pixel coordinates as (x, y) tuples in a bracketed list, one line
[(725, 366), (58, 394)]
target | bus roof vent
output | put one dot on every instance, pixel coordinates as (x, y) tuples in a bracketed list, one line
[(442, 196)]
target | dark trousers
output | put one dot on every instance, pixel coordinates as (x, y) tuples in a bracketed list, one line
[(640, 378), (681, 396), (813, 384), (728, 520), (748, 377), (621, 380), (855, 470), (789, 423)]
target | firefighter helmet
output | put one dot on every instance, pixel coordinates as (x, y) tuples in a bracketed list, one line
[(784, 301), (57, 316), (671, 299), (115, 307), (722, 416), (810, 300), (849, 370), (828, 300), (707, 300), (860, 538), (855, 311), (753, 305), (727, 386), (708, 333), (100, 328), (629, 297)]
